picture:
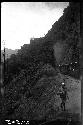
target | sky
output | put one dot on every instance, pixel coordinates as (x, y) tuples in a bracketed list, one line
[(21, 21)]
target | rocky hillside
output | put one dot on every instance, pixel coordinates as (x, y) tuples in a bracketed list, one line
[(34, 76), (65, 39), (65, 34)]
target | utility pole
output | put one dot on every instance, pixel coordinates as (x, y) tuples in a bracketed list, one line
[(7, 63), (4, 60), (3, 71)]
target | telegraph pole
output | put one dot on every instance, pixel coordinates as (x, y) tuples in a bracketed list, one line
[(4, 60), (3, 71), (7, 63)]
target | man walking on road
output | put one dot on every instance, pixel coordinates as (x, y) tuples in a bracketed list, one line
[(63, 95)]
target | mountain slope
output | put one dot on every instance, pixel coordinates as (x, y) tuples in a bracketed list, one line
[(66, 32), (36, 78)]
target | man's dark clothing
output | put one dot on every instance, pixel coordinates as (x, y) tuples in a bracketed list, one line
[(63, 96)]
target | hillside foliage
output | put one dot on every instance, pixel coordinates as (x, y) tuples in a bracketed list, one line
[(32, 76)]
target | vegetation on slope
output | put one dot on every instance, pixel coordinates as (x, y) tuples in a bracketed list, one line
[(32, 76)]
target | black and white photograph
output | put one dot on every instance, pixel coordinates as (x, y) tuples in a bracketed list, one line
[(40, 72)]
